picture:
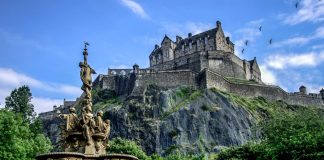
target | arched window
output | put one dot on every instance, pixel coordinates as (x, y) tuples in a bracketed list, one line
[(206, 40), (122, 73), (113, 72), (167, 53)]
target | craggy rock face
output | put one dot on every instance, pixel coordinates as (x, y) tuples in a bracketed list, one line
[(180, 119), (190, 122)]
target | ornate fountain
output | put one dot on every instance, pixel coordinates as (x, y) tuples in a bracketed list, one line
[(85, 137)]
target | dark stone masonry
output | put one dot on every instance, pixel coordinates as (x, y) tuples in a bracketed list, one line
[(205, 60)]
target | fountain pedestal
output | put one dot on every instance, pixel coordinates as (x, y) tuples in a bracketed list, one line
[(80, 156)]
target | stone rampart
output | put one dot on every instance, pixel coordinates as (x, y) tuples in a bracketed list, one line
[(167, 79), (269, 92), (135, 83)]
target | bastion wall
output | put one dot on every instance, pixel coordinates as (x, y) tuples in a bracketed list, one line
[(135, 83)]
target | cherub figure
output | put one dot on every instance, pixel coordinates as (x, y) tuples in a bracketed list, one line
[(72, 120)]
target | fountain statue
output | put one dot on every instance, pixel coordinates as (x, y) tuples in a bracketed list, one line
[(84, 137)]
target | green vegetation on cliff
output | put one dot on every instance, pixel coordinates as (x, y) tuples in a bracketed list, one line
[(103, 99), (288, 131), (181, 97)]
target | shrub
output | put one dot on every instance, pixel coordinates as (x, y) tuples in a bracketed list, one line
[(288, 134), (124, 146)]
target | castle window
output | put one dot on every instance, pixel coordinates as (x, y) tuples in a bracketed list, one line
[(122, 73), (113, 72), (182, 47), (190, 45), (198, 43), (206, 40)]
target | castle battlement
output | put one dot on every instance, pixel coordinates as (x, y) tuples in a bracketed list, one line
[(204, 60)]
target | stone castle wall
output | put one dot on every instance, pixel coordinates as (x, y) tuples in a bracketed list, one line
[(125, 84), (221, 62), (191, 61), (168, 79), (269, 92), (136, 83)]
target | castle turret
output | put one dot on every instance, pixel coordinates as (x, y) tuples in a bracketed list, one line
[(302, 90), (322, 93), (136, 68), (218, 24)]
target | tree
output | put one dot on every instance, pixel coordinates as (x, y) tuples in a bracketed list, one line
[(19, 103), (288, 134), (124, 146), (17, 140)]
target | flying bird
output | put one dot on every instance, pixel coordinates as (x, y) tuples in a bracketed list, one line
[(270, 41), (242, 51), (260, 28), (296, 4), (246, 42)]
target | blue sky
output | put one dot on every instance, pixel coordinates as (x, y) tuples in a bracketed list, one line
[(42, 41)]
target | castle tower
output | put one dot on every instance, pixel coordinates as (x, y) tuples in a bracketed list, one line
[(322, 93), (302, 90), (136, 68), (167, 48)]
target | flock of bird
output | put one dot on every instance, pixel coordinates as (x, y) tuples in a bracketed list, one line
[(260, 29), (246, 42)]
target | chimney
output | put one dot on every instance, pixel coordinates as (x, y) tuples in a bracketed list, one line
[(178, 39), (218, 24)]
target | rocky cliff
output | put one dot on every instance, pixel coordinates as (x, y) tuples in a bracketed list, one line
[(163, 121)]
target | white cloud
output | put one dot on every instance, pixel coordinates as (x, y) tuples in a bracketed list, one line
[(319, 33), (311, 88), (10, 78), (122, 66), (300, 40), (267, 75), (292, 41), (136, 8), (45, 104), (319, 46), (283, 61), (309, 11)]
